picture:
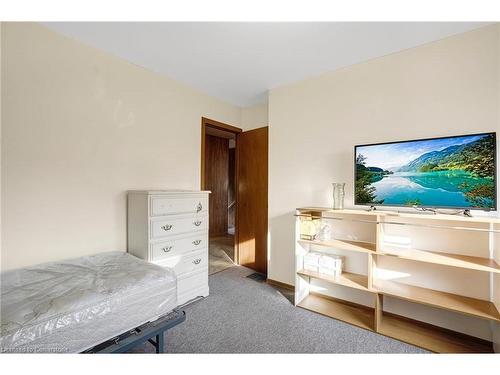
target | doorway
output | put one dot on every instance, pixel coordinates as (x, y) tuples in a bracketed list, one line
[(234, 167)]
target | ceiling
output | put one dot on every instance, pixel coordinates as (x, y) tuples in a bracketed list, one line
[(240, 62)]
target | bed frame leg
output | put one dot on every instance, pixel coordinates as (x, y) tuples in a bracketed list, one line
[(160, 342)]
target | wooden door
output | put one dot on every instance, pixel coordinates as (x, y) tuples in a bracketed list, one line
[(251, 211)]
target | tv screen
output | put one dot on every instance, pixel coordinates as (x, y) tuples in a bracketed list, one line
[(449, 172)]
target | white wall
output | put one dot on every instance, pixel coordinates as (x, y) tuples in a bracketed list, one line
[(1, 117), (79, 128), (254, 117), (443, 88)]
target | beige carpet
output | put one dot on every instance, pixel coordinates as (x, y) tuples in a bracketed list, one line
[(221, 253), (244, 316)]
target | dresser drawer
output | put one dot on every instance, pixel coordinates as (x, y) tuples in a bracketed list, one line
[(171, 206), (192, 282), (174, 247), (170, 226), (187, 263)]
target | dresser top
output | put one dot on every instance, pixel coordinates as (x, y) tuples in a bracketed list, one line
[(177, 191)]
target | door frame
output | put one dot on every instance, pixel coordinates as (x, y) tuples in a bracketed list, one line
[(209, 123)]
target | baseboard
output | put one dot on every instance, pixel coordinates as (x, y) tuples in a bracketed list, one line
[(279, 284)]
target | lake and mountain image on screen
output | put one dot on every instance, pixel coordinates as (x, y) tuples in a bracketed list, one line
[(442, 172)]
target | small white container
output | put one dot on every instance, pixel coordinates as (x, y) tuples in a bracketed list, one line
[(330, 271), (332, 265), (311, 261), (331, 261), (311, 267)]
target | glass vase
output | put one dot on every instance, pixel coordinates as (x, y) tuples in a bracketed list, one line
[(338, 195)]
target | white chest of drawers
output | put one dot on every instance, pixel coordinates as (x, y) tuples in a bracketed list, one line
[(170, 228)]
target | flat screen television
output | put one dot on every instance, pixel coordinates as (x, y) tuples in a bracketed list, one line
[(449, 172)]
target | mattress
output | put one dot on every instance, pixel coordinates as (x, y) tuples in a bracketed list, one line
[(75, 304)]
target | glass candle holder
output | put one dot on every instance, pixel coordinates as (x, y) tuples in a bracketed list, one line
[(338, 195)]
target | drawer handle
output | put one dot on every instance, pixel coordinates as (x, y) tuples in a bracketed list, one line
[(166, 227), (197, 242), (197, 223), (197, 261), (199, 207), (167, 248)]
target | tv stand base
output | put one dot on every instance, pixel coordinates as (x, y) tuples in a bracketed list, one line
[(425, 209), (466, 213)]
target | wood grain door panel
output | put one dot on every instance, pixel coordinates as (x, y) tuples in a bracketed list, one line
[(252, 188)]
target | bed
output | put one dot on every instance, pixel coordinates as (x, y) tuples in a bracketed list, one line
[(74, 305)]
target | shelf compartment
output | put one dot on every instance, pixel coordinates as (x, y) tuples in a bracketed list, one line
[(430, 337), (347, 279), (424, 335), (448, 301), (359, 246), (446, 259), (362, 317)]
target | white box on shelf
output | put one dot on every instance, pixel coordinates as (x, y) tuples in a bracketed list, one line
[(311, 261), (331, 261), (330, 271), (311, 267), (331, 265)]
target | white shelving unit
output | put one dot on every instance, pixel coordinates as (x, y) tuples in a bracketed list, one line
[(445, 262)]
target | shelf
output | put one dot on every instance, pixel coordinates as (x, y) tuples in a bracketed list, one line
[(359, 316), (434, 226), (445, 217), (391, 218), (363, 247), (339, 212), (430, 337), (425, 335), (406, 215), (448, 301), (350, 280), (453, 260)]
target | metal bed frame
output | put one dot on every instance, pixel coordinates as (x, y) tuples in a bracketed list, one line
[(141, 334)]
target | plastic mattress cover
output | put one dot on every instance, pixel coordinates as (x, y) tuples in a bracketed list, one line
[(75, 304)]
